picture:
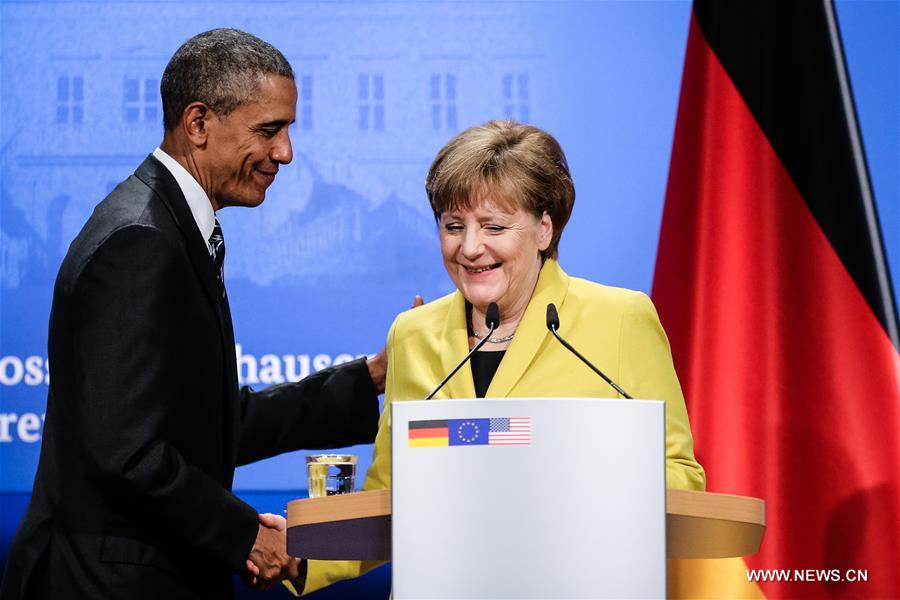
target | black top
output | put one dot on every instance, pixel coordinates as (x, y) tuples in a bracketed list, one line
[(484, 365)]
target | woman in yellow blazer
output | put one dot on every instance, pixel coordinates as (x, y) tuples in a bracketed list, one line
[(501, 194)]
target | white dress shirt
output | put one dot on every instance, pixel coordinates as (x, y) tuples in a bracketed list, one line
[(198, 201)]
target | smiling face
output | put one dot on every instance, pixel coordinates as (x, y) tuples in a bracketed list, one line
[(246, 147), (492, 254)]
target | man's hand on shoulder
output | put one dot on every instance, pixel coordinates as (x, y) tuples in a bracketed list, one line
[(378, 370), (378, 363)]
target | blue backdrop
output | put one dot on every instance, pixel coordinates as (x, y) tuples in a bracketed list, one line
[(345, 237)]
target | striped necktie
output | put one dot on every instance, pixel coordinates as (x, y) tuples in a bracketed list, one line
[(217, 253)]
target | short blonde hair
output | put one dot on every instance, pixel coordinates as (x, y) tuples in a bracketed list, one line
[(511, 163)]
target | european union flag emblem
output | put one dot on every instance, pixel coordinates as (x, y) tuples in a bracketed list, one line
[(469, 432)]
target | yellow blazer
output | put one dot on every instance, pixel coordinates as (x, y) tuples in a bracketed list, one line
[(616, 329)]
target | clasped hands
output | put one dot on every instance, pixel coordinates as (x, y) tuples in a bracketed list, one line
[(269, 563)]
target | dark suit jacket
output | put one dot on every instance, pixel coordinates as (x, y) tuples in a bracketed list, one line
[(145, 422)]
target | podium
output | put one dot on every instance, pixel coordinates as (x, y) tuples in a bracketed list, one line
[(527, 498)]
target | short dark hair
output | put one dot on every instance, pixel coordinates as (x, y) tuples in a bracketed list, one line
[(222, 68), (513, 163)]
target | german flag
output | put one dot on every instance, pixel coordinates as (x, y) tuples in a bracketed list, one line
[(429, 433), (772, 284)]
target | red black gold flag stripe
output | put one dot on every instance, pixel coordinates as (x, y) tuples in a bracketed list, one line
[(772, 284), (428, 433)]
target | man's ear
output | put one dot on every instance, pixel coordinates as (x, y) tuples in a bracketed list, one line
[(195, 122)]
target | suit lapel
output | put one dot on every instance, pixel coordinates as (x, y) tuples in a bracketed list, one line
[(532, 333), (454, 345), (157, 177)]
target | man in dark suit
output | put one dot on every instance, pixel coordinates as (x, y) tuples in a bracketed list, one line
[(145, 421)]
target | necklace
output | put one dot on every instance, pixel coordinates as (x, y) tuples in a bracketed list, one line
[(496, 340)]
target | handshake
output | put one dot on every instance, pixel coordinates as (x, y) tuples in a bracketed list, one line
[(269, 563)]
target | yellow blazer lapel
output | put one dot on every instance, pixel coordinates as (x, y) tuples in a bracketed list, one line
[(532, 334), (453, 347)]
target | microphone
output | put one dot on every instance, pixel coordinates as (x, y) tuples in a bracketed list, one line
[(492, 320), (553, 325)]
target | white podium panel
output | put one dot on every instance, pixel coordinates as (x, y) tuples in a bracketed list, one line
[(528, 498)]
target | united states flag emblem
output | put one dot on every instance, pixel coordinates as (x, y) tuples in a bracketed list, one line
[(510, 431)]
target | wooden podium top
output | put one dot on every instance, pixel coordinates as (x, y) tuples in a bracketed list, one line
[(357, 526), (706, 525)]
